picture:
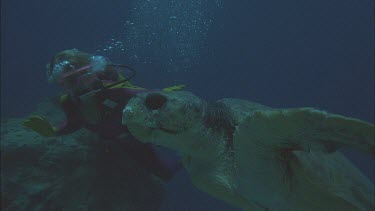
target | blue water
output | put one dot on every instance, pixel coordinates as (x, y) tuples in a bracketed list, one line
[(279, 53)]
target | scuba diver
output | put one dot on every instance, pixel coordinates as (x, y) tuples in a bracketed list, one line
[(96, 94)]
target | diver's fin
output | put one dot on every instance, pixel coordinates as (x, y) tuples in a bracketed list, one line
[(310, 129)]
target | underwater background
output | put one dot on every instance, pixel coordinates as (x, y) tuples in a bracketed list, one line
[(279, 53)]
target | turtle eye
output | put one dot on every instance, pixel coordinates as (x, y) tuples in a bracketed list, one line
[(155, 101)]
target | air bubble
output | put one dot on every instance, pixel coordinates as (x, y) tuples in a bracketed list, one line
[(165, 32)]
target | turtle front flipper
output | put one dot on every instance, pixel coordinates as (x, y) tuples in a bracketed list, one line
[(311, 129), (270, 149)]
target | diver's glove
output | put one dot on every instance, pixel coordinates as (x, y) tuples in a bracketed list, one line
[(40, 125), (174, 88)]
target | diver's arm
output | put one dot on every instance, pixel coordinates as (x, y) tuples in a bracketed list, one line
[(42, 126), (66, 128), (74, 120)]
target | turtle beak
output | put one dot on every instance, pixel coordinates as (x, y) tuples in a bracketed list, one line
[(166, 130)]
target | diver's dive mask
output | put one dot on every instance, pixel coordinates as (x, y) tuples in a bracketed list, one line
[(77, 80), (85, 79)]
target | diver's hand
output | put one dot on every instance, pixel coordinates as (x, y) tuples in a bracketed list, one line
[(40, 125), (174, 88)]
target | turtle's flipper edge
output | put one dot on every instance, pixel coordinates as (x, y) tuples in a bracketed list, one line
[(312, 129)]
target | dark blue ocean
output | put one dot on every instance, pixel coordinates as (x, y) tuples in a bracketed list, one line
[(279, 53)]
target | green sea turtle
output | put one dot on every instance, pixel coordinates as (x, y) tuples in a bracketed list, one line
[(256, 157)]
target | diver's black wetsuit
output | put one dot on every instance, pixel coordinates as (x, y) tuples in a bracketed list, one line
[(109, 104)]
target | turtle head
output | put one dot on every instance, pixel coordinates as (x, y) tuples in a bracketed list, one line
[(164, 118)]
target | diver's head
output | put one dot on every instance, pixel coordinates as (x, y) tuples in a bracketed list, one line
[(76, 71)]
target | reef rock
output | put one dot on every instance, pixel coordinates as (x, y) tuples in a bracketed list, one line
[(74, 172)]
